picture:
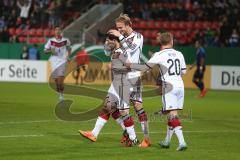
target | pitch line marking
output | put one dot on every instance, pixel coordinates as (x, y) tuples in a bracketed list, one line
[(23, 122), (24, 136), (115, 133)]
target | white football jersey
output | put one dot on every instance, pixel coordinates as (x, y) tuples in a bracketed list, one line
[(61, 51), (172, 65), (133, 45), (60, 46)]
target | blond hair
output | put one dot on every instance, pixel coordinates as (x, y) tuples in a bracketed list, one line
[(124, 18), (165, 38)]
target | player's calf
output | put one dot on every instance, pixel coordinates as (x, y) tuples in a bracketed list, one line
[(174, 125), (129, 125)]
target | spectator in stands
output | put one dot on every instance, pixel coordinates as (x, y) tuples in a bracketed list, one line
[(36, 16), (25, 8), (209, 36), (24, 54), (234, 39), (4, 35), (12, 19), (33, 53), (225, 31), (14, 39), (2, 22), (200, 36), (144, 11), (54, 11), (216, 42)]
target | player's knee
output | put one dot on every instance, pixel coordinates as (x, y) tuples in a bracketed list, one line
[(105, 116), (127, 120), (124, 112), (115, 114), (174, 121), (142, 116), (137, 106)]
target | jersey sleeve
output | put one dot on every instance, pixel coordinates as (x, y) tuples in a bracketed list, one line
[(149, 65), (132, 46), (155, 59), (68, 43), (47, 45), (183, 65)]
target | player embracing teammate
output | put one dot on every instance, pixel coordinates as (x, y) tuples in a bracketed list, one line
[(131, 43), (171, 67), (126, 85)]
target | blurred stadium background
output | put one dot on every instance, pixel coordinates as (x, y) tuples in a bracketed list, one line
[(29, 128)]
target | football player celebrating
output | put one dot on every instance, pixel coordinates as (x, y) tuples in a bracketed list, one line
[(117, 101), (132, 42), (172, 66), (59, 48)]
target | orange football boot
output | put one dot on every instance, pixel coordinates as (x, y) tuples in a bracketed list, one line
[(88, 135)]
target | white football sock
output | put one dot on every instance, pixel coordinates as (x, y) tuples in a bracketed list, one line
[(120, 122), (131, 132), (144, 126), (179, 134), (170, 132), (98, 126)]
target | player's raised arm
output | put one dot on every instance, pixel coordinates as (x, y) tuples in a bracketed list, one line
[(129, 39)]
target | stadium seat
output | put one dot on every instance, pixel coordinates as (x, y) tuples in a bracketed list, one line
[(52, 33), (39, 32), (32, 32), (41, 40), (18, 31), (143, 24), (150, 24), (198, 25), (11, 31), (174, 25), (153, 34), (157, 25), (182, 25), (189, 25), (22, 39), (215, 25), (46, 33), (177, 34), (33, 40), (165, 25), (146, 34), (136, 25), (206, 25)]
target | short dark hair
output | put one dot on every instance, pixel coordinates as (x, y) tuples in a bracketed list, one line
[(112, 37)]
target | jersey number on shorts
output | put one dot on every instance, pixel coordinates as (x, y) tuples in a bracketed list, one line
[(174, 68)]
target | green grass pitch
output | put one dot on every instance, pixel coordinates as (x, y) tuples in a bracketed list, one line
[(29, 129)]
